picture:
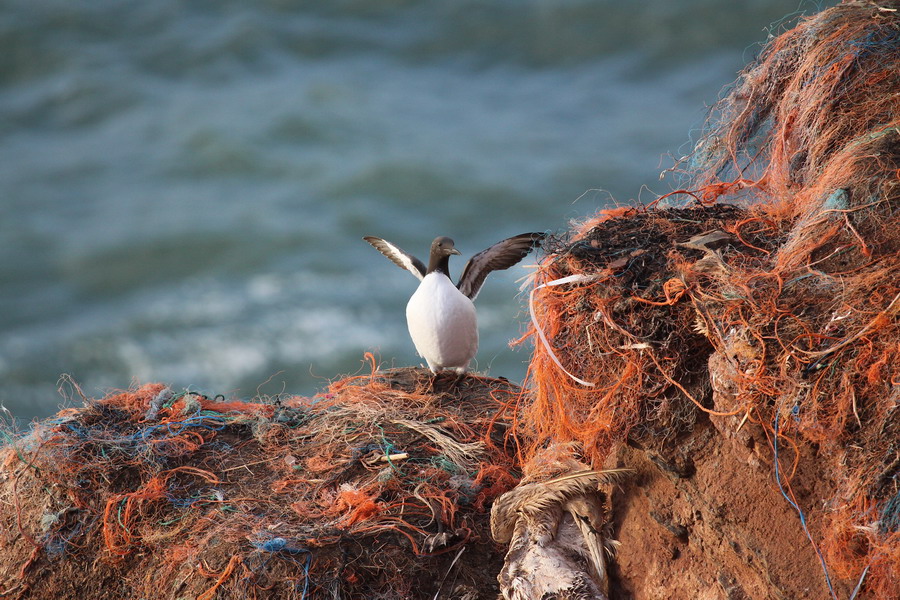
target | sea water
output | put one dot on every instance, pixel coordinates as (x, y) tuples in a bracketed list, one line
[(184, 185)]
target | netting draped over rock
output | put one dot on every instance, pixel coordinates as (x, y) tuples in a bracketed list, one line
[(782, 313), (283, 498), (623, 330)]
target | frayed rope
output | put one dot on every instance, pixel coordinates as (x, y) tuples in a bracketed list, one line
[(578, 278)]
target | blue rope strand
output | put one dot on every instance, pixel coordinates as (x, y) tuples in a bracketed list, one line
[(281, 546), (800, 511)]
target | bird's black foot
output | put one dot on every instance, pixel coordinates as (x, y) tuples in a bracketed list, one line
[(445, 381), (451, 381), (458, 379)]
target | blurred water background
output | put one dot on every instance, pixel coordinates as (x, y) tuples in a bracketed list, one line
[(184, 185)]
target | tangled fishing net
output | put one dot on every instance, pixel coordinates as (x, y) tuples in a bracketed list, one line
[(764, 292), (371, 488), (761, 301)]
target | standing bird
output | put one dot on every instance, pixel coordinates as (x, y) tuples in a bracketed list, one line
[(440, 315)]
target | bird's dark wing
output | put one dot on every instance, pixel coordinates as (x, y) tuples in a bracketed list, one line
[(501, 255), (400, 258)]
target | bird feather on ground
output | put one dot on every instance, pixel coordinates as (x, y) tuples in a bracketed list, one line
[(553, 528)]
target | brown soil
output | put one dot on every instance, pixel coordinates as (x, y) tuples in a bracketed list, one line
[(710, 523)]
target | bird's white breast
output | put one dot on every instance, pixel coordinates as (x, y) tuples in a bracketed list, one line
[(442, 323)]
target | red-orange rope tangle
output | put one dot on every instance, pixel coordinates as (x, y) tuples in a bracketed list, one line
[(674, 289), (688, 394), (222, 578)]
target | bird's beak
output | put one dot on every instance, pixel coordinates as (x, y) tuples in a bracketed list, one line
[(455, 251)]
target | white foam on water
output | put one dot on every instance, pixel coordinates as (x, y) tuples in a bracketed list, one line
[(184, 187)]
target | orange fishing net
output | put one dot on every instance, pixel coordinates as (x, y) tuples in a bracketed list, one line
[(767, 291), (372, 486)]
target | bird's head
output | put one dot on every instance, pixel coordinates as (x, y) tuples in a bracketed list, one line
[(443, 246)]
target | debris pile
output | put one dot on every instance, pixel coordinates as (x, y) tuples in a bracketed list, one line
[(374, 487), (763, 298)]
